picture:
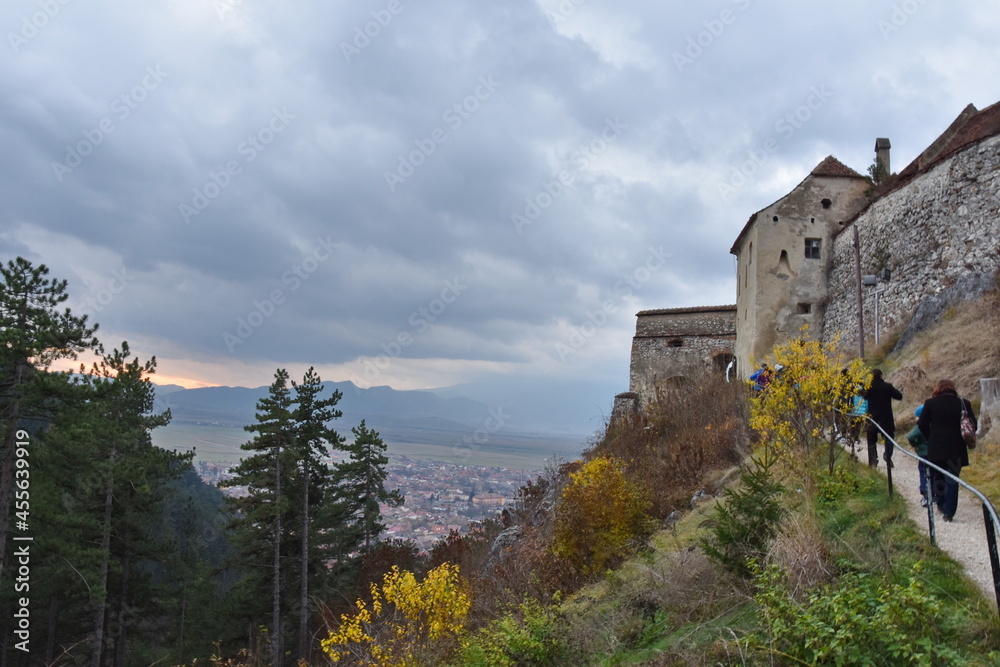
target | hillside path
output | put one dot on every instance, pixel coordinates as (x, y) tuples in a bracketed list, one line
[(964, 539)]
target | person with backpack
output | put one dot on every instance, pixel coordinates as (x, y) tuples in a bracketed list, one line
[(918, 441), (941, 423), (761, 377)]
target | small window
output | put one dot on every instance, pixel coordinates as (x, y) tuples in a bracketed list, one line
[(775, 218), (676, 342), (804, 308), (826, 203), (812, 248)]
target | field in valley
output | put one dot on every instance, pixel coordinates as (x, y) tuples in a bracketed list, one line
[(221, 444)]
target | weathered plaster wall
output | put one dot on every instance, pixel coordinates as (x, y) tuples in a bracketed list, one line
[(780, 290), (932, 231)]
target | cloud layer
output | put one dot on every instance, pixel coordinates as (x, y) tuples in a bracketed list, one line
[(423, 193)]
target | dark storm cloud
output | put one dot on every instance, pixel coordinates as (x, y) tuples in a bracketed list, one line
[(324, 182)]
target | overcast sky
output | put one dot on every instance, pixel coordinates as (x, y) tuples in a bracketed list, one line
[(423, 193)]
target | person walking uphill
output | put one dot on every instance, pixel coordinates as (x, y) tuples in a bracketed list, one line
[(879, 396), (941, 422)]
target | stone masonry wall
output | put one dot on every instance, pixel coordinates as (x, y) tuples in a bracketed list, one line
[(657, 358), (719, 321), (939, 227)]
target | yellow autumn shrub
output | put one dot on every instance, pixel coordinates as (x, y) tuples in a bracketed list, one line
[(408, 623), (806, 402), (599, 513)]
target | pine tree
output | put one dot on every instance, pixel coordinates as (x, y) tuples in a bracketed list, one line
[(33, 334), (313, 440), (100, 487), (361, 480), (131, 473), (265, 474)]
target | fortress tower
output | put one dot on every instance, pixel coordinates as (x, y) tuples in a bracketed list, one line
[(783, 259)]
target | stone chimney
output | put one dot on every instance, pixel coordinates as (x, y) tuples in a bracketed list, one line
[(882, 147)]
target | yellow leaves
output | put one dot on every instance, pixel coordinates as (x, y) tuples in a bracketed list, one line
[(406, 619), (801, 403), (599, 513)]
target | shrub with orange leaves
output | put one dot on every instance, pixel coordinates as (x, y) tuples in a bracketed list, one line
[(407, 623), (599, 513)]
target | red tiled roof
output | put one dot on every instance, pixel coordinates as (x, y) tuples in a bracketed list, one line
[(828, 167), (831, 166), (970, 127)]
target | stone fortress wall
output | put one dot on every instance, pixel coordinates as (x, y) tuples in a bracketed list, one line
[(937, 230), (932, 232), (678, 344)]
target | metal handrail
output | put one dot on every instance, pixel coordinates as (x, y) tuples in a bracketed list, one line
[(990, 518)]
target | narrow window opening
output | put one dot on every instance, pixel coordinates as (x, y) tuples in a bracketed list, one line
[(675, 342), (813, 248), (775, 218), (804, 308), (826, 203), (783, 266)]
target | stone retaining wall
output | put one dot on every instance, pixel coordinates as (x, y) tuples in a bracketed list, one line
[(942, 225)]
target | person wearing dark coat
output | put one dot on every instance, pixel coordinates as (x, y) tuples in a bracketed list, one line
[(941, 422), (879, 396)]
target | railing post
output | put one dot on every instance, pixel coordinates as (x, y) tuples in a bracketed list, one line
[(930, 515), (989, 513), (991, 539)]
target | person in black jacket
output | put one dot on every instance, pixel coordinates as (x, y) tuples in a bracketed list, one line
[(940, 422), (879, 396)]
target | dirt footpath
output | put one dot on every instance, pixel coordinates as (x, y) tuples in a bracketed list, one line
[(964, 539)]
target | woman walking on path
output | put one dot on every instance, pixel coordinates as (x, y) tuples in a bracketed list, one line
[(879, 396), (940, 421)]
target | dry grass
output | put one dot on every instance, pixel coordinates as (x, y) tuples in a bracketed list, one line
[(682, 442), (800, 550), (964, 346)]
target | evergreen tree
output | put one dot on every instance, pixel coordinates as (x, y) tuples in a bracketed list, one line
[(291, 520), (313, 440), (131, 473), (33, 334), (361, 480), (266, 474), (101, 488)]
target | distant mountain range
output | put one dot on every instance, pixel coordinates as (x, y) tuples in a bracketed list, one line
[(510, 408)]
